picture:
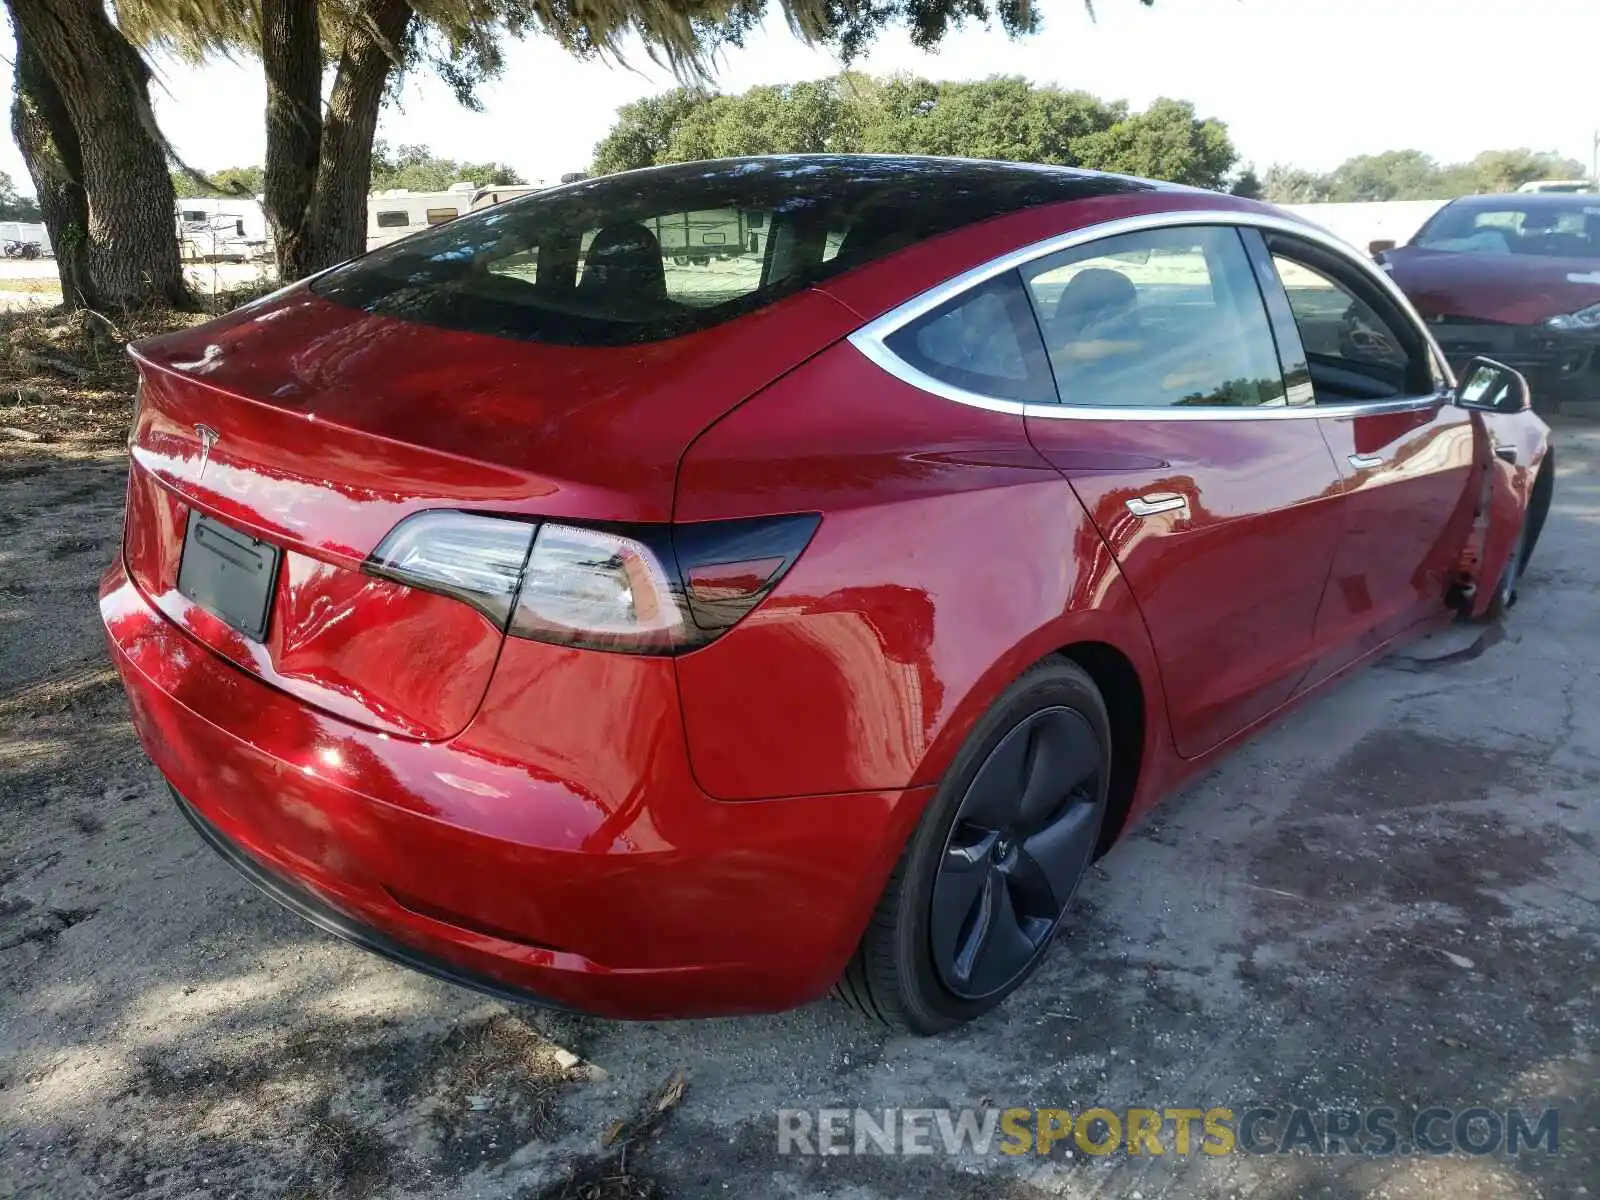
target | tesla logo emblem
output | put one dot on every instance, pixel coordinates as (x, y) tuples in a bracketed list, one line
[(208, 439)]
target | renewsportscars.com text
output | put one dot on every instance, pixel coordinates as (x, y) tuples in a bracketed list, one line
[(1261, 1129)]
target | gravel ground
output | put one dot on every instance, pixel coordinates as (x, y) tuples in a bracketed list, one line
[(1388, 899)]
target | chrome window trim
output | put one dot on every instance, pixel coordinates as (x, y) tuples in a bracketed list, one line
[(871, 338)]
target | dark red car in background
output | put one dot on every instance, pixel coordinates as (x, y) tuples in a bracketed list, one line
[(664, 638), (1516, 278)]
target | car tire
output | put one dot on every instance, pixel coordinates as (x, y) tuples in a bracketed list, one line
[(982, 885)]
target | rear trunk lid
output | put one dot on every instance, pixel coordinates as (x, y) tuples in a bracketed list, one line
[(317, 428)]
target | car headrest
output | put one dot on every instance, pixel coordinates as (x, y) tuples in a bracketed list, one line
[(1092, 296), (873, 234), (624, 262)]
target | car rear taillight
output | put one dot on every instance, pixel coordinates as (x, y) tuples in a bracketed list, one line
[(730, 566), (591, 587), (470, 557), (639, 589)]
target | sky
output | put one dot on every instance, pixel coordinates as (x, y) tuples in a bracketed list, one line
[(1308, 82)]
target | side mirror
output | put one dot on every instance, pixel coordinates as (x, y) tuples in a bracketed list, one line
[(1381, 246), (1489, 386)]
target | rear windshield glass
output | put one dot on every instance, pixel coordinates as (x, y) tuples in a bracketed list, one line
[(653, 254), (1546, 228)]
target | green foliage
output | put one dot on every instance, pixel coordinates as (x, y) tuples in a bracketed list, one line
[(644, 129), (418, 169), (1507, 170), (1413, 175), (1004, 117), (1247, 184), (1284, 184), (1166, 141), (13, 205), (1392, 175), (230, 181)]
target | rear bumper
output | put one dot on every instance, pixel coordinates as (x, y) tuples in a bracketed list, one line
[(323, 915), (1561, 367), (558, 851)]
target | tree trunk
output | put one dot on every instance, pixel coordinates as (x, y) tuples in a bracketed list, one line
[(291, 54), (50, 148), (373, 48), (102, 82)]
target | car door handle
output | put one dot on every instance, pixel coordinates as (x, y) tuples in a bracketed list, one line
[(1366, 462), (1158, 502)]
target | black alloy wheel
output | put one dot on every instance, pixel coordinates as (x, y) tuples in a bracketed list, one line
[(1022, 838), (984, 881)]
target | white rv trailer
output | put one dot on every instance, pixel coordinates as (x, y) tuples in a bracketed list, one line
[(221, 227), (393, 214), (500, 193)]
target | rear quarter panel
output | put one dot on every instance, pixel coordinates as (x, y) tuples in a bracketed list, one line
[(950, 557)]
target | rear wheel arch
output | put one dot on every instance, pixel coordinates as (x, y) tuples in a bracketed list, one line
[(1129, 700), (1124, 693)]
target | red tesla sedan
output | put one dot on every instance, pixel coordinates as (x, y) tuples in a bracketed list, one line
[(688, 591), (1514, 277)]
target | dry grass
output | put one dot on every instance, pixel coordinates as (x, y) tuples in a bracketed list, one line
[(347, 1158), (66, 377), (611, 1176), (480, 1066), (31, 285)]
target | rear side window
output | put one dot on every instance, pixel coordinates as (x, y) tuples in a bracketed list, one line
[(648, 255), (1157, 319), (983, 341)]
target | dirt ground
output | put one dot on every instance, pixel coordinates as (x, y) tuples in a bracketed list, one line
[(34, 284), (1389, 899)]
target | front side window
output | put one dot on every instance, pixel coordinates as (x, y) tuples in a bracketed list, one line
[(1357, 347), (1157, 319)]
